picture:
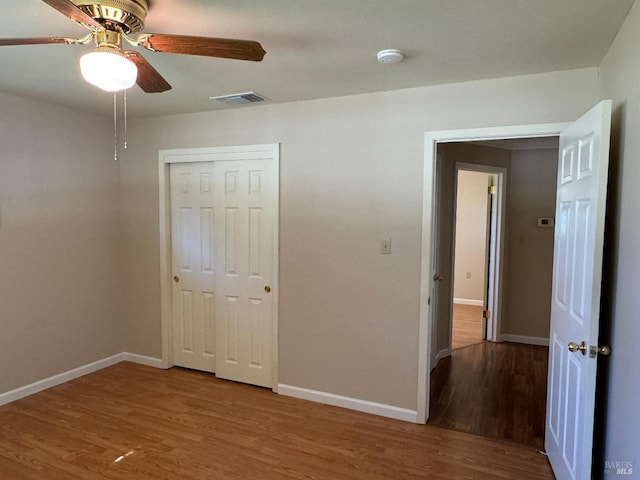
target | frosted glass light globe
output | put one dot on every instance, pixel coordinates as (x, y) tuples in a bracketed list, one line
[(109, 70)]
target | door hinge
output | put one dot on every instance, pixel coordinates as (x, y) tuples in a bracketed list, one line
[(486, 314), (493, 190)]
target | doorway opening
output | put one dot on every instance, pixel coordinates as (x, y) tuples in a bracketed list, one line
[(515, 290), (477, 253), (506, 375), (582, 171), (470, 259)]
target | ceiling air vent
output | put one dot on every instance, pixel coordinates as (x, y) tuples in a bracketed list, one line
[(240, 98)]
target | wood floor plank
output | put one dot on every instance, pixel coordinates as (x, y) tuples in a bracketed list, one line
[(135, 422), (492, 389), (467, 325)]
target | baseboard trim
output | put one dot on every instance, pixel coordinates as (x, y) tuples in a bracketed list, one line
[(468, 301), (21, 392), (446, 352), (40, 385), (506, 337), (349, 403), (142, 360)]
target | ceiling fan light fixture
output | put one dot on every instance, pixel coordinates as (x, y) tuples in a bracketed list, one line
[(108, 69)]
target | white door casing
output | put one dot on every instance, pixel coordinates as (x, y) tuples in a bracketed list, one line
[(576, 288), (267, 156), (246, 199), (192, 252)]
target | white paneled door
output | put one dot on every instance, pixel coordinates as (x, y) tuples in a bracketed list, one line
[(193, 256), (575, 305), (246, 207), (224, 220)]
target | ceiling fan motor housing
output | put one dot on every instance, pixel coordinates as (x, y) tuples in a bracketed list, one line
[(129, 15), (111, 21)]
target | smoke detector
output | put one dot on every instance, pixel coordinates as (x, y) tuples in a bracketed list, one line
[(390, 55)]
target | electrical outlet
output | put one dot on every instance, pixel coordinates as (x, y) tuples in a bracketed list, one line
[(385, 246), (468, 274)]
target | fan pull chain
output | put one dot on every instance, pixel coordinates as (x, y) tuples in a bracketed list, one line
[(125, 121), (115, 127)]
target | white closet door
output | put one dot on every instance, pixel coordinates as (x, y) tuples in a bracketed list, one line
[(246, 210), (193, 261)]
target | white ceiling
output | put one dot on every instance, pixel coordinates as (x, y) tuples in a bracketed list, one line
[(317, 48)]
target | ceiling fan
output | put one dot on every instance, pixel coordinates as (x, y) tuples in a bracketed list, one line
[(110, 22)]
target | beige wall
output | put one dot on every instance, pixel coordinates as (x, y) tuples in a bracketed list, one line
[(620, 81), (471, 235), (529, 248), (60, 252), (351, 174)]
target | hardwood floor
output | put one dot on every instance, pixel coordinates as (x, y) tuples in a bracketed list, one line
[(135, 422), (492, 389), (467, 325)]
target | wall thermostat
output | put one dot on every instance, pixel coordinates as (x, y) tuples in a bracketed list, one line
[(545, 222)]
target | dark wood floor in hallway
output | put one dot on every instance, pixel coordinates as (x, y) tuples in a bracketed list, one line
[(496, 390), (134, 422)]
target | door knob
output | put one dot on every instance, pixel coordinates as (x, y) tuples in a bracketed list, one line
[(267, 289), (176, 278), (574, 347)]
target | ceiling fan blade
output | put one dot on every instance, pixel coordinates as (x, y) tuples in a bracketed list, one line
[(36, 40), (149, 79), (69, 9), (205, 46)]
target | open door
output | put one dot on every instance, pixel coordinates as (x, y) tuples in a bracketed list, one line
[(434, 293), (490, 257), (575, 303)]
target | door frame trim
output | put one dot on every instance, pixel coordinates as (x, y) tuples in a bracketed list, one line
[(208, 154), (429, 203)]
